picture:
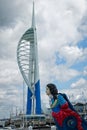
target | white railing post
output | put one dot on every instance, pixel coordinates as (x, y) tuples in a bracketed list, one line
[(53, 127), (30, 128)]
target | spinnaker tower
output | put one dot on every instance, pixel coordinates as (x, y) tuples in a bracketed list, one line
[(27, 58)]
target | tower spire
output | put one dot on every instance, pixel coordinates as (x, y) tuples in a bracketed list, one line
[(33, 16)]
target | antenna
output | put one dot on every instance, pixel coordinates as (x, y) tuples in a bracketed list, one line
[(33, 17)]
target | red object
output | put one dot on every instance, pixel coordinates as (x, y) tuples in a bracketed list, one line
[(65, 112)]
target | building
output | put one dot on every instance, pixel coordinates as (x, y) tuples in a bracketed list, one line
[(81, 108)]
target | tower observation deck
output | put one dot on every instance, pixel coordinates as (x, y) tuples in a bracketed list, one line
[(27, 58)]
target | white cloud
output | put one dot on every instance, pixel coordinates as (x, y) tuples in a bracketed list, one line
[(81, 82), (76, 95), (85, 71), (72, 54)]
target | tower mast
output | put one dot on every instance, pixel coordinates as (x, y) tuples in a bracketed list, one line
[(33, 17)]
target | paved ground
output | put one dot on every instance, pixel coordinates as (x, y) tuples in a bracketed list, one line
[(43, 129), (38, 129)]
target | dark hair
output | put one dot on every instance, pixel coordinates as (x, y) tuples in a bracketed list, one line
[(53, 90)]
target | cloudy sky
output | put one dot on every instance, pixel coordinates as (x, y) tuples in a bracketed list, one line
[(62, 49)]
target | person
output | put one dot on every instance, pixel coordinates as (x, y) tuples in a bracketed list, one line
[(62, 110)]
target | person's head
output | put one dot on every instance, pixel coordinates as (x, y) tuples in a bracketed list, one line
[(51, 89)]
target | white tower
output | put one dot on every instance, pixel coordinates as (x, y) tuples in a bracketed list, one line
[(27, 57)]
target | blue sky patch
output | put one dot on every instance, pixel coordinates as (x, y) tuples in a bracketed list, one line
[(82, 43), (59, 59), (79, 66)]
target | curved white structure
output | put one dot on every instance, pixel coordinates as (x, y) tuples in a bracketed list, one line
[(27, 57)]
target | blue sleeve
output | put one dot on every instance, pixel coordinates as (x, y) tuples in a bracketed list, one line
[(61, 100)]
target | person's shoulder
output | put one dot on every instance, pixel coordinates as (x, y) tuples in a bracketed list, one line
[(61, 99), (60, 95)]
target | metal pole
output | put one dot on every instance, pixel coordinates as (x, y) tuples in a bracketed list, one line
[(23, 103)]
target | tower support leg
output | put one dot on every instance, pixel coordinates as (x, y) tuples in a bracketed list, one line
[(37, 95), (29, 101)]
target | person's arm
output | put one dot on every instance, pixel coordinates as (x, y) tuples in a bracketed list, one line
[(54, 104)]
